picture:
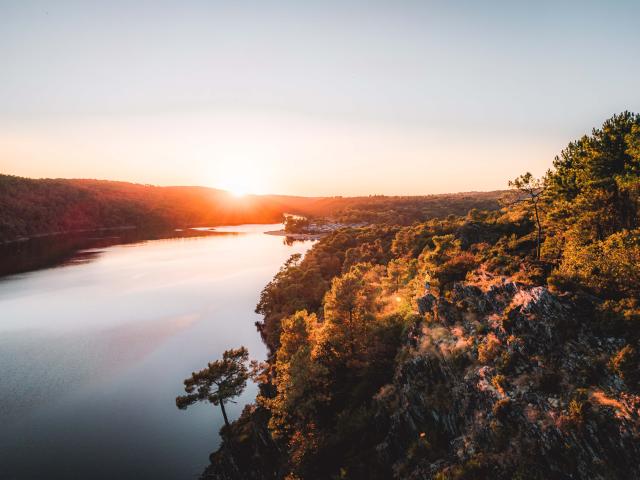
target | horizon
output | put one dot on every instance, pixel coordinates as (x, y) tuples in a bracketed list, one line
[(249, 194)]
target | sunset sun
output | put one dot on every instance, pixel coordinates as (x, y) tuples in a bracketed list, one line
[(239, 178), (238, 186), (237, 191)]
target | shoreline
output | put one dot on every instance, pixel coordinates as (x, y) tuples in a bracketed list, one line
[(34, 236), (296, 236)]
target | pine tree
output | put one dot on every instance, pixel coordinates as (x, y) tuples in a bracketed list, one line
[(219, 382)]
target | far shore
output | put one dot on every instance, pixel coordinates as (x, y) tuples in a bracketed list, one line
[(294, 236), (297, 236), (34, 236)]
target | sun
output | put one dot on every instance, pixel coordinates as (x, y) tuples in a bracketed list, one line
[(237, 192), (238, 186), (239, 178)]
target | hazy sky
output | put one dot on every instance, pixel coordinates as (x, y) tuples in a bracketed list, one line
[(301, 97)]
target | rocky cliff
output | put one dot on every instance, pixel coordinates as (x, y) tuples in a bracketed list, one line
[(508, 381), (500, 381)]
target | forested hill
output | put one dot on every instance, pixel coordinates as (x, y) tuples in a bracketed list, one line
[(30, 207), (495, 345)]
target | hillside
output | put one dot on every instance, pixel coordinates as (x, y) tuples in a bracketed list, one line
[(500, 344), (31, 207)]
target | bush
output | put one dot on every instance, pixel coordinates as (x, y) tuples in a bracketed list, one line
[(610, 267), (489, 350), (626, 364)]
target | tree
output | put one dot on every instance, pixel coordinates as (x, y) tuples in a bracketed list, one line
[(592, 205), (219, 382), (445, 263), (397, 274), (300, 380), (342, 308), (295, 224), (593, 188), (529, 190)]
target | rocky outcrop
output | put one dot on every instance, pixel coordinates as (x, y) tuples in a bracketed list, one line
[(498, 380), (508, 381), (248, 451)]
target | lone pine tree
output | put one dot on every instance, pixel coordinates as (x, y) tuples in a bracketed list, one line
[(221, 381)]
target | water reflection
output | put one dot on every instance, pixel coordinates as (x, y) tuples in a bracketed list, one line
[(54, 250), (94, 352)]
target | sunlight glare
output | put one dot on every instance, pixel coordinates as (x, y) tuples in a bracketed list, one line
[(237, 192), (241, 168), (236, 186), (240, 181)]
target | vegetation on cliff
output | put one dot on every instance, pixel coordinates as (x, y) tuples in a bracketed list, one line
[(498, 344)]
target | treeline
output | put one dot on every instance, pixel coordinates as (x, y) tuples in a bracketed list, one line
[(406, 210), (349, 324), (31, 207)]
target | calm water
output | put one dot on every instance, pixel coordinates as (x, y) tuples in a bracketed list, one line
[(93, 351)]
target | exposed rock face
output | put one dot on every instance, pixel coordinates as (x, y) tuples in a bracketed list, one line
[(507, 381), (425, 303), (248, 452)]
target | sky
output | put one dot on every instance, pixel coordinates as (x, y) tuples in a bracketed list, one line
[(309, 98)]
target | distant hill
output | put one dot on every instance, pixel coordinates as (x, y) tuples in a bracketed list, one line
[(31, 207)]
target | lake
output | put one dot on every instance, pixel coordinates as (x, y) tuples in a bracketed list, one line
[(96, 339)]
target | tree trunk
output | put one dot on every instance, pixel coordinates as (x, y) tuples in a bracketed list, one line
[(351, 336), (224, 413), (535, 206)]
